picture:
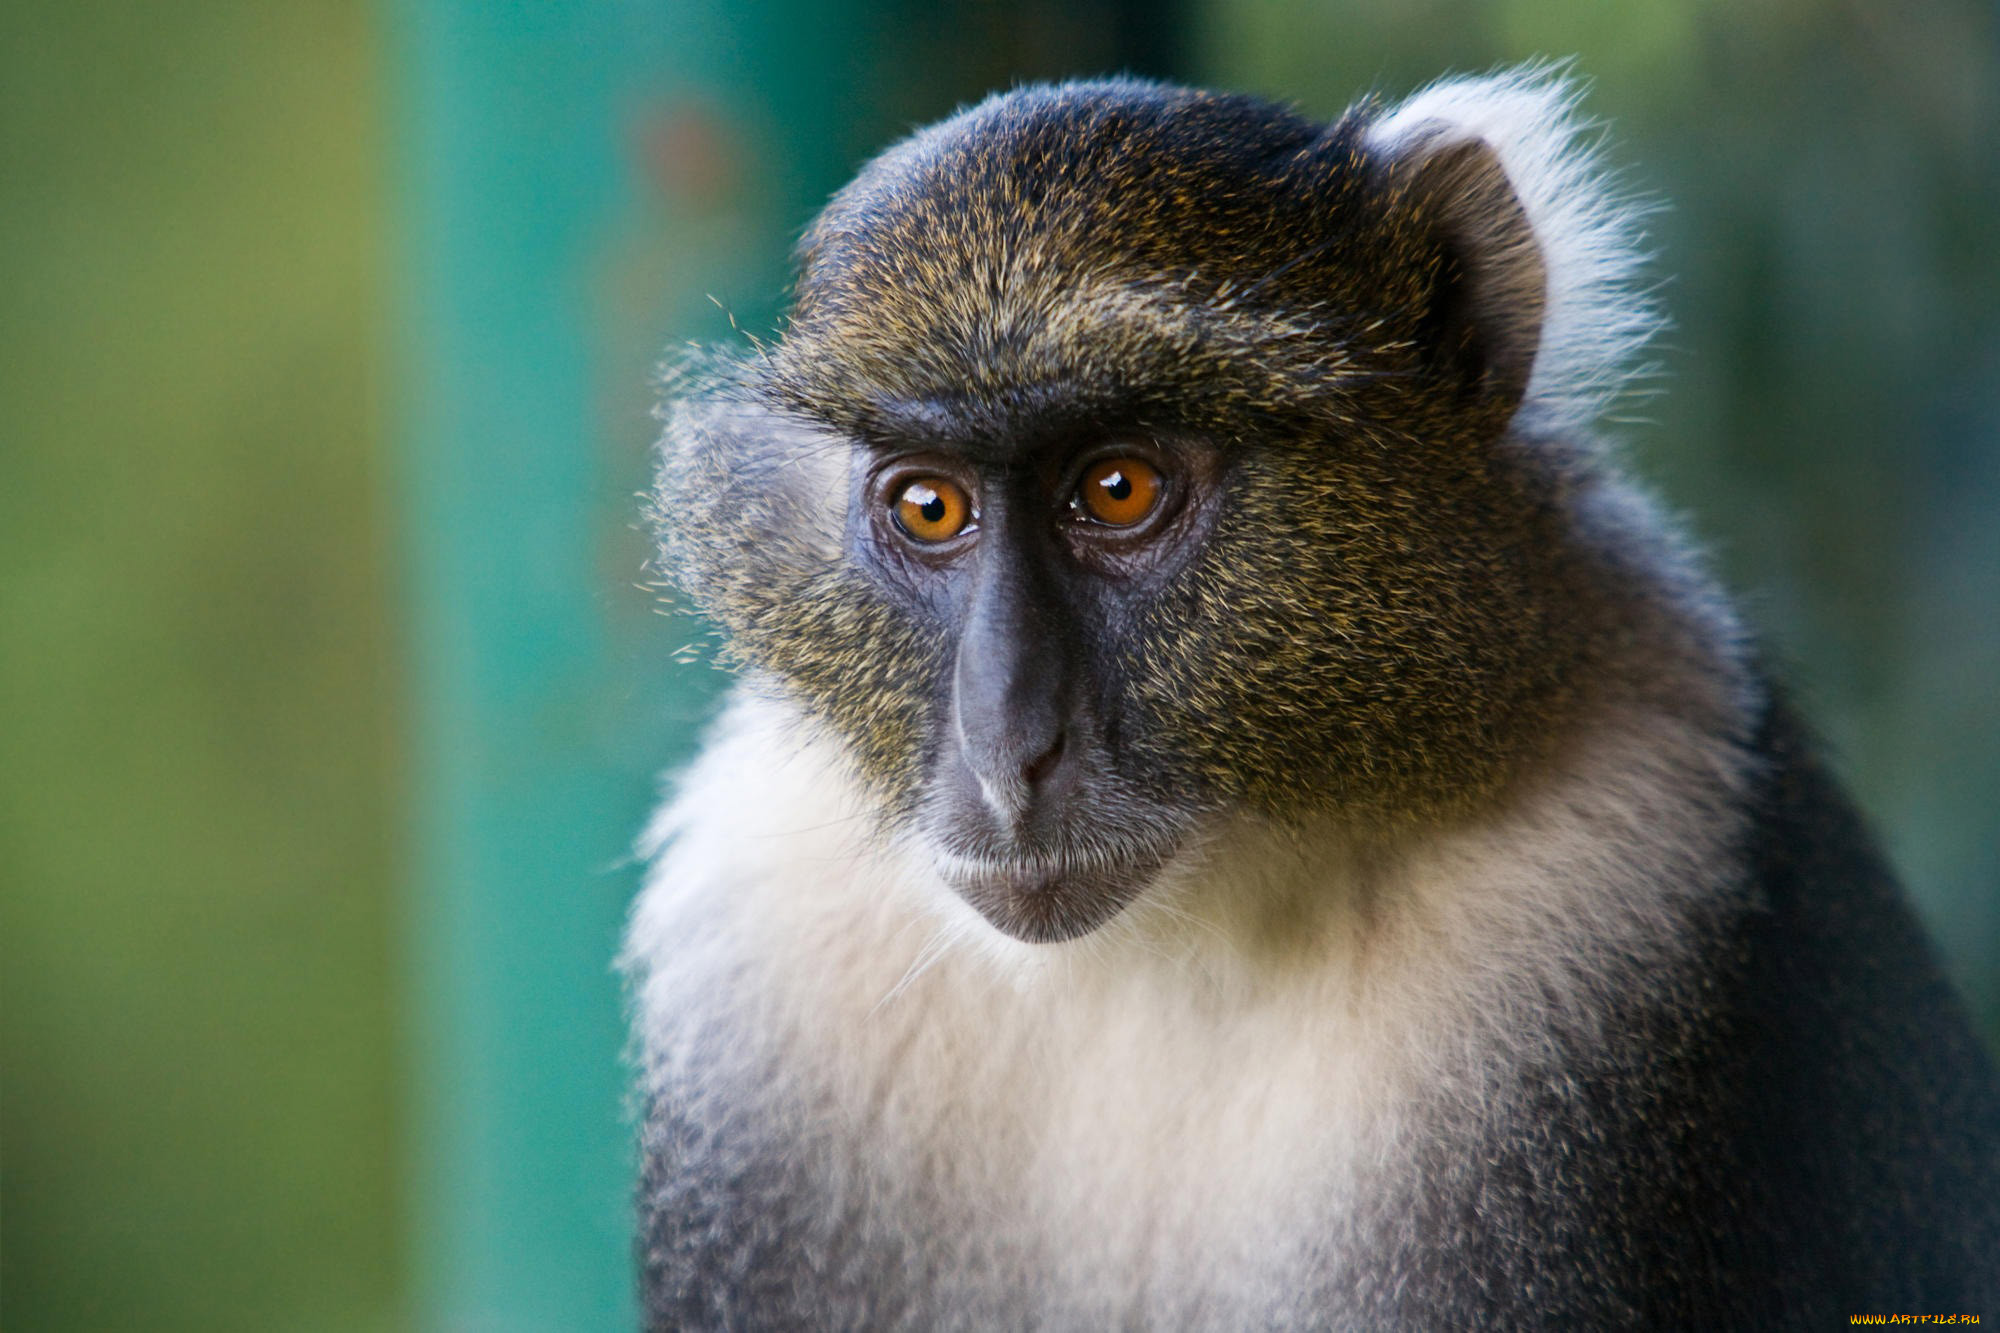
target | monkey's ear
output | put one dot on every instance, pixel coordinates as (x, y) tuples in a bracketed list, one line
[(1548, 251), (1483, 320)]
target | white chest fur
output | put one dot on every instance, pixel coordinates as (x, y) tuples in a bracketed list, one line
[(1155, 1116)]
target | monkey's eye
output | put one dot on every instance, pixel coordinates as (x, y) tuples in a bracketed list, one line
[(933, 509), (1119, 492)]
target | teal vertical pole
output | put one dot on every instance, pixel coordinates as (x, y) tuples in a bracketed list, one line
[(520, 1161), (541, 713)]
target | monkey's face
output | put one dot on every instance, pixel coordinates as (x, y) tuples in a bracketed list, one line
[(1040, 568), (980, 618), (1131, 455)]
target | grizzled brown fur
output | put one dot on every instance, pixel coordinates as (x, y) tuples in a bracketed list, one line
[(1390, 612)]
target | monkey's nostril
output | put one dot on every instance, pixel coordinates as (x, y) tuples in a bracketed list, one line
[(1037, 770)]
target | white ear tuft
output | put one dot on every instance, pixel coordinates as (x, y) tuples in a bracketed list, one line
[(1595, 319)]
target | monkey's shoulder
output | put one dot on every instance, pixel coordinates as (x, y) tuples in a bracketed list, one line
[(1864, 1083)]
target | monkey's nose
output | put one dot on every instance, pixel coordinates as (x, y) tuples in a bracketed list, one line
[(1038, 770), (1016, 789)]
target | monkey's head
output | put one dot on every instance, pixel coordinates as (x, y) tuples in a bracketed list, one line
[(1134, 454)]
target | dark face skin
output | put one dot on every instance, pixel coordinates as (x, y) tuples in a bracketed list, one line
[(1042, 561)]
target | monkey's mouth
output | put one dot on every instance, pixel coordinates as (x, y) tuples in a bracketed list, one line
[(1047, 902)]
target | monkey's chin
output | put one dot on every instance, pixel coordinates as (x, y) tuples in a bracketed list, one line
[(1047, 904)]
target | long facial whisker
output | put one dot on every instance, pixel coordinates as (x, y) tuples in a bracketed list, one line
[(936, 947)]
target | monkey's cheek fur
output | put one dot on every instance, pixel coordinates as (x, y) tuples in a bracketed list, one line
[(1048, 904)]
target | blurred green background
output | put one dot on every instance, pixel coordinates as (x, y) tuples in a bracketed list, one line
[(329, 697)]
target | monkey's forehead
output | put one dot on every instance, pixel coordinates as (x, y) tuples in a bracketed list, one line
[(1083, 240)]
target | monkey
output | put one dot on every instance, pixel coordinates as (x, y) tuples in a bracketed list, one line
[(1234, 811)]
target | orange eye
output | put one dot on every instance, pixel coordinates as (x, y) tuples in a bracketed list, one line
[(932, 509), (1119, 492)]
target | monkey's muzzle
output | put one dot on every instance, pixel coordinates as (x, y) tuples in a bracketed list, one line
[(1048, 903)]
